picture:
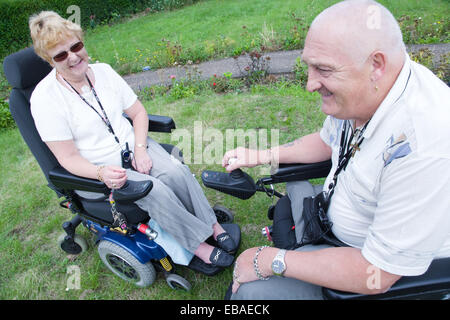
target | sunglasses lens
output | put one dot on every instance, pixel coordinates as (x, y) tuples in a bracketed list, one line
[(60, 56), (63, 55), (77, 47)]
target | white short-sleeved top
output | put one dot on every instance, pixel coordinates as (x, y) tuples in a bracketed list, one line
[(393, 199), (60, 114)]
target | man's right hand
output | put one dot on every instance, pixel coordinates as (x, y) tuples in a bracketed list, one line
[(242, 157)]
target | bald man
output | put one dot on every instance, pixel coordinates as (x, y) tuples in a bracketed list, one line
[(387, 116)]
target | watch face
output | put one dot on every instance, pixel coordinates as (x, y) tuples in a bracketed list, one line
[(278, 266)]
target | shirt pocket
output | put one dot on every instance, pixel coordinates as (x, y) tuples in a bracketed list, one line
[(362, 185)]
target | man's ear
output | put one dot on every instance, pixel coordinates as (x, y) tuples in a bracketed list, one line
[(378, 65)]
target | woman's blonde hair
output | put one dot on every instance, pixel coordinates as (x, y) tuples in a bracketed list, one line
[(48, 28)]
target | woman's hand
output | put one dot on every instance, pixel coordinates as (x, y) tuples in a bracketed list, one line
[(242, 157), (142, 162), (113, 176)]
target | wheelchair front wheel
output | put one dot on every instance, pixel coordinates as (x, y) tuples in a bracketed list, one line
[(77, 246), (177, 282), (125, 265), (223, 214)]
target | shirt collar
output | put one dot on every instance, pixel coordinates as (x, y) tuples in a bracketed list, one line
[(394, 94)]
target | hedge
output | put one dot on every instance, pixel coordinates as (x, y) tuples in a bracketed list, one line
[(14, 15)]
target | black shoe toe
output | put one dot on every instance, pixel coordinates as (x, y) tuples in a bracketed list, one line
[(225, 242), (220, 258)]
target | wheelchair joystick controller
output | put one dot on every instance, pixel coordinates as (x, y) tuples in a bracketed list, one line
[(237, 183), (237, 174)]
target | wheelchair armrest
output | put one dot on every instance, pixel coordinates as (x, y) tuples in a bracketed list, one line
[(157, 123), (130, 192), (64, 180), (300, 171), (433, 284)]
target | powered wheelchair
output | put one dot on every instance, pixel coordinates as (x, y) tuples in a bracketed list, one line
[(134, 254), (434, 284)]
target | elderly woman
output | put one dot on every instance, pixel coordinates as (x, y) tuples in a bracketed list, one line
[(78, 111)]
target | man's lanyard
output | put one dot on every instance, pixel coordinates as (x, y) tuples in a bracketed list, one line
[(105, 118), (347, 150)]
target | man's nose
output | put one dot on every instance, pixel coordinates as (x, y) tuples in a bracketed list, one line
[(313, 83)]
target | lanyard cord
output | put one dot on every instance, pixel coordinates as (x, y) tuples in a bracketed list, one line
[(346, 151), (105, 118)]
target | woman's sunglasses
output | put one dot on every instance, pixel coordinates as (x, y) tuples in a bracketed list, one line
[(64, 54)]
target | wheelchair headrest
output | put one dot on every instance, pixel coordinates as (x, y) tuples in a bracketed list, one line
[(25, 69)]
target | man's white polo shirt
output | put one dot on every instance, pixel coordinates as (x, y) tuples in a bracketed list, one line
[(393, 199)]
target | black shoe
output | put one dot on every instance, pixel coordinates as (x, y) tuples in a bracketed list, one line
[(208, 269), (220, 258), (227, 243)]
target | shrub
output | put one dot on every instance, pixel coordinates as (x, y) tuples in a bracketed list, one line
[(6, 119), (257, 68), (441, 69), (300, 72), (226, 83)]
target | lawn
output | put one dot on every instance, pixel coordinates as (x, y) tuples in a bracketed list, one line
[(33, 267)]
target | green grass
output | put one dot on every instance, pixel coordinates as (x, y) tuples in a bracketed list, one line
[(33, 266), (217, 28)]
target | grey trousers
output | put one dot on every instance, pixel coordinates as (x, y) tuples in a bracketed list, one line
[(176, 202), (279, 288)]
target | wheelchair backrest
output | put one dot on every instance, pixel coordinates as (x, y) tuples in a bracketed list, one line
[(24, 70)]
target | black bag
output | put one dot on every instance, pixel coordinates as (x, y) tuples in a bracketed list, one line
[(283, 230), (317, 228)]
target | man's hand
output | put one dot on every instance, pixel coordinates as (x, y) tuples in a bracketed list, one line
[(244, 270), (242, 157)]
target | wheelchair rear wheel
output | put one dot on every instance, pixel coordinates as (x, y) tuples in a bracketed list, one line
[(125, 266)]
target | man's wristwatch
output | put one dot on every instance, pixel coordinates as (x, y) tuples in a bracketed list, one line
[(278, 264)]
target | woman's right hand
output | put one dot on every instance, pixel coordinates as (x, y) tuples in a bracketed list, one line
[(113, 176)]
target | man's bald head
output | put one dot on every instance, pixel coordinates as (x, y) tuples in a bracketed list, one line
[(354, 52), (359, 27)]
